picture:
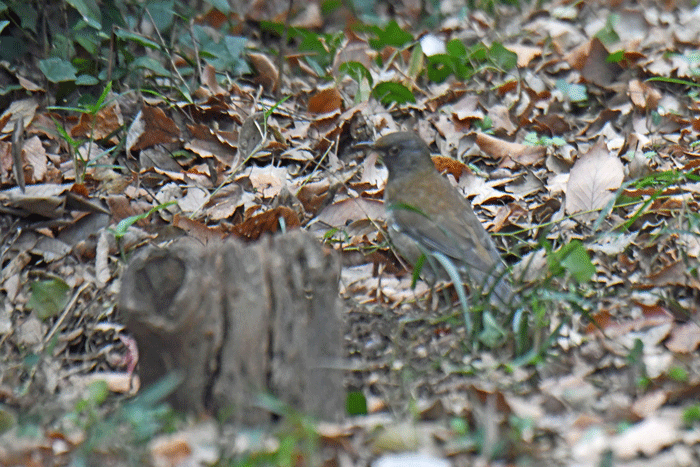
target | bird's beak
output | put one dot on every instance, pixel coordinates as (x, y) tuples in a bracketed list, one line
[(363, 146)]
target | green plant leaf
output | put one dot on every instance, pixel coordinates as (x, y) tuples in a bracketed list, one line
[(456, 48), (607, 34), (26, 13), (356, 403), (90, 40), (574, 259), (221, 5), (149, 63), (87, 80), (439, 67), (89, 10), (356, 71), (691, 415), (57, 70), (228, 55), (478, 52), (616, 57), (493, 333), (7, 419), (48, 297), (133, 37), (162, 13), (502, 58), (123, 225), (673, 80), (388, 92), (391, 35), (575, 92)]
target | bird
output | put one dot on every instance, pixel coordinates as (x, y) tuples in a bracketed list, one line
[(427, 215)]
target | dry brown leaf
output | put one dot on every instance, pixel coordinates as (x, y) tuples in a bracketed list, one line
[(5, 160), (592, 180), (209, 79), (35, 156), (268, 75), (225, 202), (675, 274), (24, 108), (309, 18), (647, 437), (151, 127), (351, 209), (452, 166), (649, 403), (643, 95), (107, 121), (509, 152), (684, 338), (198, 230), (325, 101), (590, 59), (313, 195), (206, 144), (267, 222), (525, 53), (267, 181)]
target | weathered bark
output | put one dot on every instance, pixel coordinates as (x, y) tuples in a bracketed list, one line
[(238, 320)]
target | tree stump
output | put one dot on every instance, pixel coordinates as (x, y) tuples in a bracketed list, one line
[(236, 320)]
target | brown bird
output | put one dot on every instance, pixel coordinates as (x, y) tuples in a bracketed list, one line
[(426, 214)]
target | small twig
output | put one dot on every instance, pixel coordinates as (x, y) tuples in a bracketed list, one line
[(17, 143), (65, 313), (283, 49), (196, 52), (168, 53)]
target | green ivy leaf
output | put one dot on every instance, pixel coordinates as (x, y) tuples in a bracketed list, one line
[(48, 297), (388, 92), (228, 55), (439, 67), (57, 70), (149, 63), (141, 40), (162, 13), (456, 48), (392, 35), (89, 10), (87, 80), (27, 15)]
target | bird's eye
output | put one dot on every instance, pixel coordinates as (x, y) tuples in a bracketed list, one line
[(394, 151)]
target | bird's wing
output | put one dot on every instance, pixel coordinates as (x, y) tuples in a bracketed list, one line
[(449, 225), (456, 233)]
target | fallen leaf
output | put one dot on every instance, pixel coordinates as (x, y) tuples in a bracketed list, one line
[(592, 180)]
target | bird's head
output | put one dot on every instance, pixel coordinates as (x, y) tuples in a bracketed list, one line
[(402, 152)]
